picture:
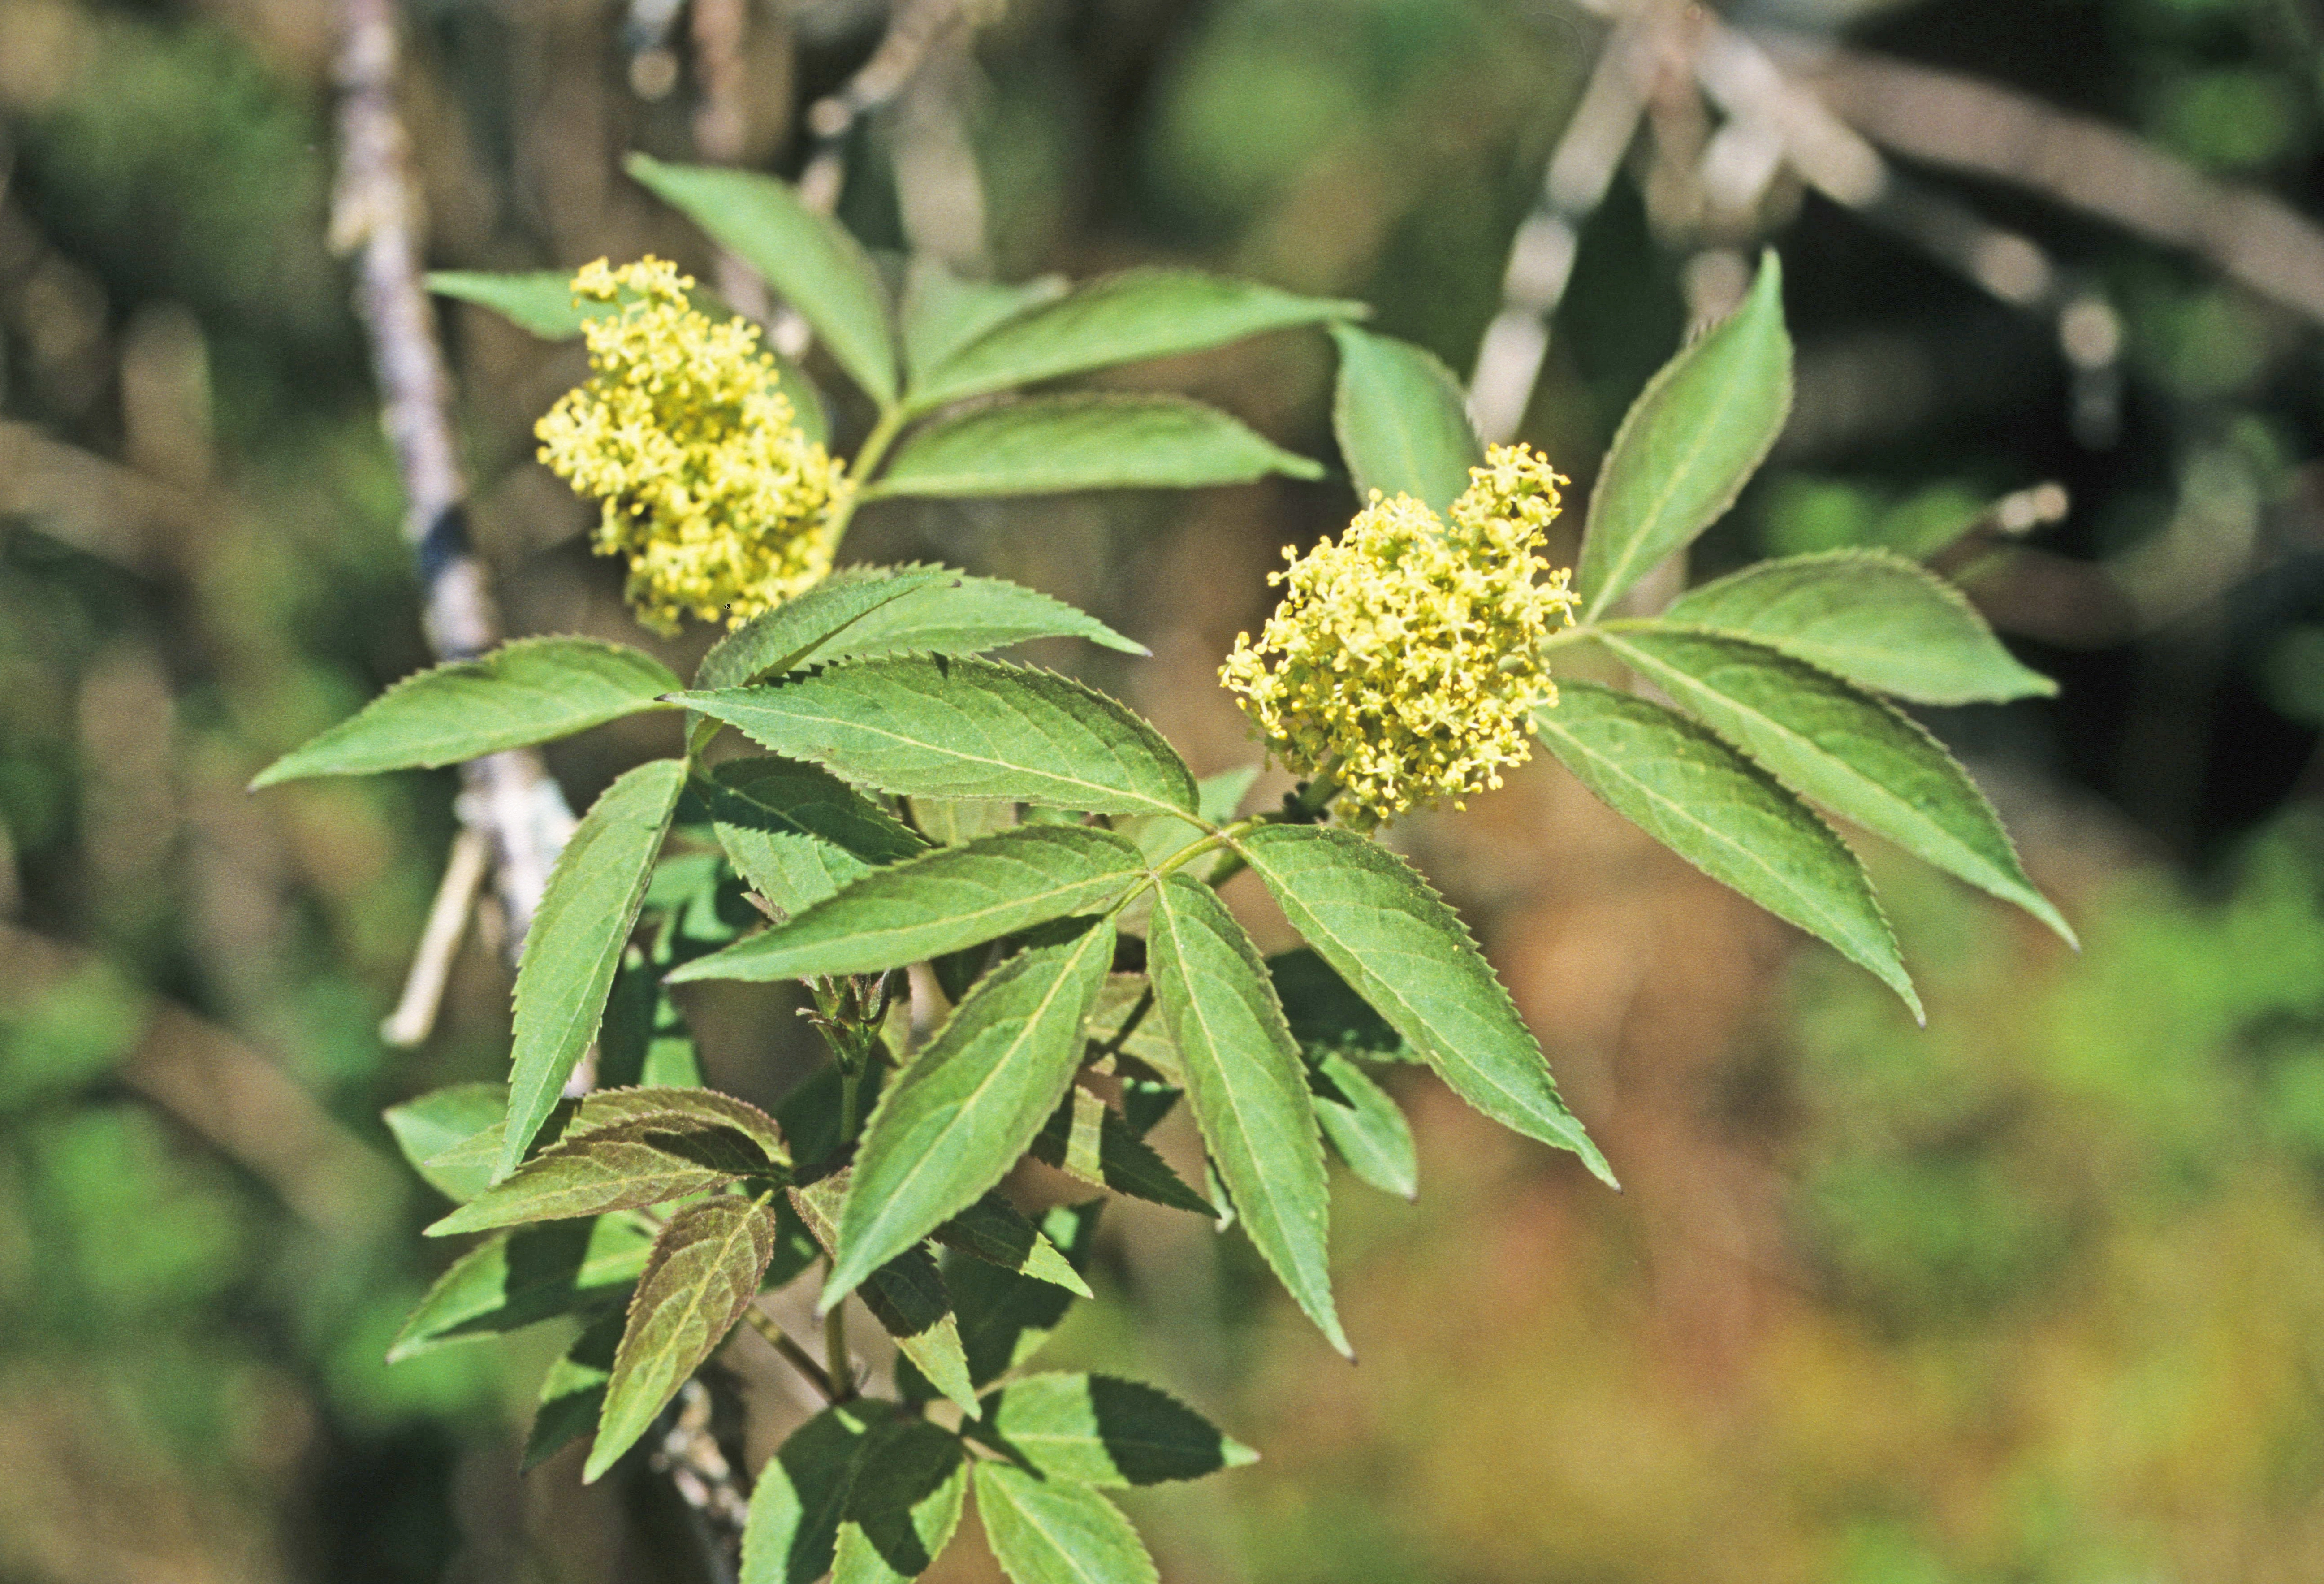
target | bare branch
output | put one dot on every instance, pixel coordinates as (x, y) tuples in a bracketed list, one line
[(1581, 169), (509, 797), (1987, 130), (447, 921)]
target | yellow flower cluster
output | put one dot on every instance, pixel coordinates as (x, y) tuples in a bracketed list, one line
[(722, 505), (1407, 656)]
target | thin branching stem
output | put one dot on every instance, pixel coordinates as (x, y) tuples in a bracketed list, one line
[(796, 1356)]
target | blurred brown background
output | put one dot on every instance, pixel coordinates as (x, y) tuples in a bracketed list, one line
[(2036, 1295)]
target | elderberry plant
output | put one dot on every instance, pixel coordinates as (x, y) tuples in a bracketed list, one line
[(1408, 664)]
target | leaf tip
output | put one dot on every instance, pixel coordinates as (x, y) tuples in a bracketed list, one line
[(1234, 1454), (1771, 271), (2055, 922), (845, 1278), (701, 967)]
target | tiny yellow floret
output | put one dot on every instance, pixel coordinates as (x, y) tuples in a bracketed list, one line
[(723, 506), (1407, 656)]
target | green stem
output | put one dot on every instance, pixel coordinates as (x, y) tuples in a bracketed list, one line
[(851, 1086), (1586, 631), (836, 1361), (796, 1356), (866, 465), (1312, 799)]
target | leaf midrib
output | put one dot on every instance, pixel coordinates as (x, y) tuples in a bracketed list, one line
[(1067, 970), (1026, 1516), (768, 946), (610, 1181), (1783, 883), (1689, 457), (1275, 1196), (1071, 781), (1310, 924), (1800, 742)]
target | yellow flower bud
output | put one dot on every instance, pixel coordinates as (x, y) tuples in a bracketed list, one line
[(719, 502), (1407, 656)]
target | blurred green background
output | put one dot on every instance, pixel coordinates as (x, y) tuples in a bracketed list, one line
[(2035, 1296)]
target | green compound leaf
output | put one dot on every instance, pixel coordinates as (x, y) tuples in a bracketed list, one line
[(1047, 1532), (1326, 1015), (908, 1296), (1248, 1091), (801, 1495), (645, 1039), (1382, 928), (1086, 1138), (1695, 436), (994, 1231), (1363, 1124), (702, 1274), (698, 904), (1719, 811), (1161, 836), (626, 1167), (576, 941), (968, 615), (942, 313), (1121, 319), (925, 726), (1127, 1003), (572, 1392), (1856, 756), (808, 257), (520, 1277), (1045, 444), (800, 834), (862, 614), (795, 1248), (522, 693), (682, 1109), (952, 1123), (537, 301), (1145, 1102), (1004, 1316), (540, 301), (1401, 420), (1880, 621), (810, 629), (903, 1505), (427, 1127), (472, 1162), (949, 899), (1096, 1430)]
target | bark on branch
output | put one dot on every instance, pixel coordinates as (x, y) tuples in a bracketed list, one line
[(509, 798)]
